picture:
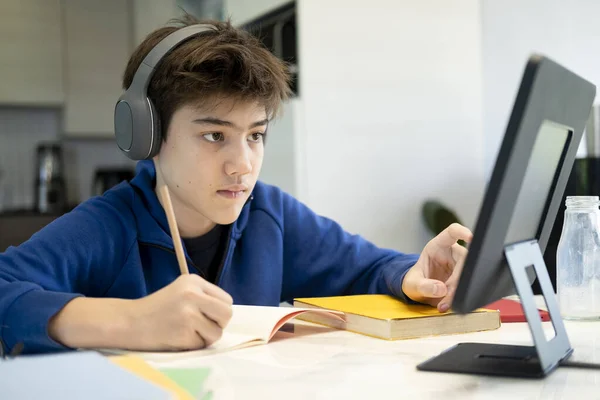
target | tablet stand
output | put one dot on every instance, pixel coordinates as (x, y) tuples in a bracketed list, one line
[(515, 361)]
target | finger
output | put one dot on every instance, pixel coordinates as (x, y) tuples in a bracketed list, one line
[(445, 303), (200, 342), (190, 339), (215, 309), (208, 330), (431, 288), (451, 285), (215, 291), (452, 234), (459, 253)]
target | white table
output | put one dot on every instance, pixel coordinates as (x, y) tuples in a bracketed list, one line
[(306, 361)]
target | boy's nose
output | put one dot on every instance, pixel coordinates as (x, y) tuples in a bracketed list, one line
[(239, 162)]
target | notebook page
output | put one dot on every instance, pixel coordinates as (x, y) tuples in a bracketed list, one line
[(229, 341), (257, 321), (249, 326)]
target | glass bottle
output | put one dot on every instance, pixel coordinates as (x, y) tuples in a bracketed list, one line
[(578, 259)]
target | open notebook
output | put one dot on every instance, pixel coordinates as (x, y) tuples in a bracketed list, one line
[(249, 326)]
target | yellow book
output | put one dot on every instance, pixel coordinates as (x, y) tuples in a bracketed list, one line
[(389, 318)]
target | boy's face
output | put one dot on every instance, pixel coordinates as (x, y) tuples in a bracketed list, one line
[(212, 157)]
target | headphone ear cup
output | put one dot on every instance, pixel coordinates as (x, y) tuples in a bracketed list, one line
[(138, 127), (123, 124), (135, 122), (156, 131)]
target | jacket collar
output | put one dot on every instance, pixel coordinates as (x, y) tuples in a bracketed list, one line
[(153, 226)]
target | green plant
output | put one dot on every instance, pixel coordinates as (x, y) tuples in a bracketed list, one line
[(438, 217)]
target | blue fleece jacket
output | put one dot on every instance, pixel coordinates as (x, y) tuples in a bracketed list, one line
[(118, 245)]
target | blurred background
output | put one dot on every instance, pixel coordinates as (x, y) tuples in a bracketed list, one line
[(396, 102)]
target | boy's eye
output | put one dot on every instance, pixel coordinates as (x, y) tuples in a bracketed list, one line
[(213, 137), (256, 137)]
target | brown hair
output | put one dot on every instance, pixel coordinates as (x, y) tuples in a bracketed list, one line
[(224, 62)]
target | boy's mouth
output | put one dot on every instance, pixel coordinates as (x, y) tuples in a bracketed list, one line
[(233, 191), (231, 194)]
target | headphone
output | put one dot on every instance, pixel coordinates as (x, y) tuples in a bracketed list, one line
[(137, 124)]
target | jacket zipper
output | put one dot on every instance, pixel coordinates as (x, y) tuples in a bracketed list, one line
[(225, 254), (223, 260), (189, 261)]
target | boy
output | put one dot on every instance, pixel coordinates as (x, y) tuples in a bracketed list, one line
[(106, 276)]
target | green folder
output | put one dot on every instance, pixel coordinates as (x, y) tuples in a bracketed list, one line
[(190, 379)]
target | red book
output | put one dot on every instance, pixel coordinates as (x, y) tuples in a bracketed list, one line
[(512, 311)]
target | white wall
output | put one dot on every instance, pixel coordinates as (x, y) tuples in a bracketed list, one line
[(149, 15), (281, 152), (566, 31), (391, 92), (242, 11)]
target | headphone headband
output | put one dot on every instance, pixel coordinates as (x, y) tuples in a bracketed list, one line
[(137, 126)]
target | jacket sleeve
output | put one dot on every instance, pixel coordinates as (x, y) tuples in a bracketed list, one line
[(78, 254), (321, 259)]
